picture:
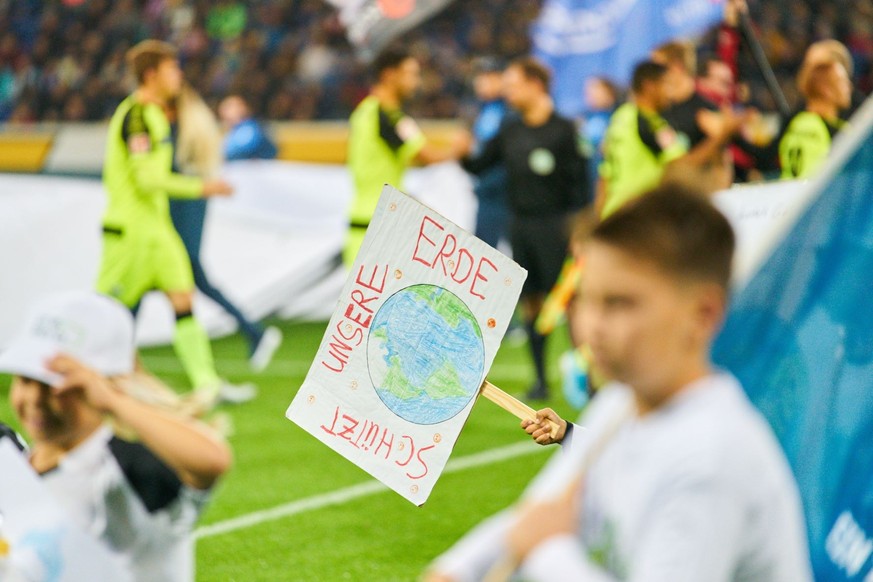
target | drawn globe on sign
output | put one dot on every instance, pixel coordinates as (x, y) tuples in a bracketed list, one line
[(425, 354)]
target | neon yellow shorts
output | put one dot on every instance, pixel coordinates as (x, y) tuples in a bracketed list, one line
[(354, 240), (132, 265)]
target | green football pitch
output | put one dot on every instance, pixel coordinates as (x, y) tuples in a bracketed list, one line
[(292, 509)]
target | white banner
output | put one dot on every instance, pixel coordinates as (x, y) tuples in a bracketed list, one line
[(416, 329), (371, 25), (754, 211), (271, 248)]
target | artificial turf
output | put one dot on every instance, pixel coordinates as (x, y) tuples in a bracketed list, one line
[(379, 536)]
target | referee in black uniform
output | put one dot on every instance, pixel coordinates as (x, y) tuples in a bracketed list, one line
[(547, 183)]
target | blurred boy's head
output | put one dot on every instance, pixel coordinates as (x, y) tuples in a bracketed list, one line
[(654, 290), (94, 329)]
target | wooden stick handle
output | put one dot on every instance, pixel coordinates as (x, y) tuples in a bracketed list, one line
[(513, 405)]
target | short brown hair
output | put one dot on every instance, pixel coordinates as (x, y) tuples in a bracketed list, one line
[(646, 72), (390, 58), (534, 70), (581, 226), (679, 52), (678, 230), (148, 55)]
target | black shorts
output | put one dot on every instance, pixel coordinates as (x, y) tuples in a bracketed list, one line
[(540, 245)]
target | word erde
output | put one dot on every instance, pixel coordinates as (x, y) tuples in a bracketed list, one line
[(455, 261)]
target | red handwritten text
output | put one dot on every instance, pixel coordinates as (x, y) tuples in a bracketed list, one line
[(349, 331), (436, 248), (367, 436)]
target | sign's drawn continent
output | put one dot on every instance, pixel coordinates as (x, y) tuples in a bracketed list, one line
[(425, 354)]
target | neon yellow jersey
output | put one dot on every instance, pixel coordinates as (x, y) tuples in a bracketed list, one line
[(138, 170), (382, 144), (637, 147), (805, 144)]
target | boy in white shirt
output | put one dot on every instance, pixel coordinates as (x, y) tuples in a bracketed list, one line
[(675, 477), (141, 499)]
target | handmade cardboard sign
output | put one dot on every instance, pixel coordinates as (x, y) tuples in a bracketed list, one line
[(404, 355)]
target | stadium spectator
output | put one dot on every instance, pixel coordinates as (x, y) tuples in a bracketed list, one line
[(639, 143), (492, 214), (141, 249), (384, 141), (226, 20), (71, 363), (677, 476), (826, 51), (245, 138), (689, 113), (601, 99), (641, 147), (198, 153), (715, 82), (807, 139), (680, 59), (726, 48), (278, 32), (541, 153)]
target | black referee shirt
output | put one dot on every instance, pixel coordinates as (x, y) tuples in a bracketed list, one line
[(547, 174), (682, 117)]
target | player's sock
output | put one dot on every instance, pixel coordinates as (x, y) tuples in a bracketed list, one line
[(192, 347), (537, 344)]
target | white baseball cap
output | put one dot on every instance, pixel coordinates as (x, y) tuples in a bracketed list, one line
[(95, 329)]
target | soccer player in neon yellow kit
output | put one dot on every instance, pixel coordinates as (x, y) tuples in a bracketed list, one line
[(141, 249), (806, 141), (384, 141)]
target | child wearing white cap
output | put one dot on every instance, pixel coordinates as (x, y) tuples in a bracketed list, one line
[(142, 499)]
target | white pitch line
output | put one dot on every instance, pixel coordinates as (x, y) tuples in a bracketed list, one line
[(171, 365), (346, 494)]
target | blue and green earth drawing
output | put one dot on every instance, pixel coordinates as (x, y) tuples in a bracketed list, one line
[(426, 354)]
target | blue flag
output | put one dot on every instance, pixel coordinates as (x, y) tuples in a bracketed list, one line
[(579, 39), (800, 339)]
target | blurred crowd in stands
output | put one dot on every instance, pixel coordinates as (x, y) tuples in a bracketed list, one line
[(63, 59)]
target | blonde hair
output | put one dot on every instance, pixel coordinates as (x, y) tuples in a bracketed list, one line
[(817, 79), (825, 52), (678, 52), (198, 145)]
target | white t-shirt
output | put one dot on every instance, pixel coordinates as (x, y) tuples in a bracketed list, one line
[(123, 495), (698, 490)]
